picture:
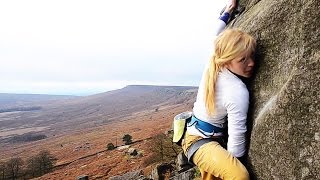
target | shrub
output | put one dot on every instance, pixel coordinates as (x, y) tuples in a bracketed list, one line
[(127, 139), (153, 158), (110, 146)]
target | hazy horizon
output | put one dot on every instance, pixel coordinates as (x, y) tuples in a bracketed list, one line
[(88, 94), (81, 48)]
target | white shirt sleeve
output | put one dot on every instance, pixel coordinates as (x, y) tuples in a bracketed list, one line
[(237, 108), (219, 26)]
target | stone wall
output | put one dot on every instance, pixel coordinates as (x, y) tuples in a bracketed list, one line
[(284, 122)]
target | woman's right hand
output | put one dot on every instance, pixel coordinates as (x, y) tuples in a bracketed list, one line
[(231, 5)]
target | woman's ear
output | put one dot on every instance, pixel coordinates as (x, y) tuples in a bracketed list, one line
[(226, 64)]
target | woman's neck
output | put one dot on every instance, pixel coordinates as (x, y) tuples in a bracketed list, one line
[(245, 80)]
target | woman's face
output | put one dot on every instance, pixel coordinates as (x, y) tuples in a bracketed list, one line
[(242, 66)]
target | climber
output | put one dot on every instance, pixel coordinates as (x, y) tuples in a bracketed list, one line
[(222, 101)]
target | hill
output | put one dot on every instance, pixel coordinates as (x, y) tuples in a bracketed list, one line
[(56, 117), (65, 127), (8, 100)]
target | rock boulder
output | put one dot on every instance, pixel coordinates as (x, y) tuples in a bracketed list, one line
[(284, 122)]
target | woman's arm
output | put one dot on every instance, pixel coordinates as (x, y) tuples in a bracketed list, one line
[(237, 108), (224, 18)]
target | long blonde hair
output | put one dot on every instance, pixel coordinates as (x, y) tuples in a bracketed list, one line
[(230, 44)]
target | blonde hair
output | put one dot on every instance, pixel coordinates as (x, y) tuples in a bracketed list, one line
[(230, 44)]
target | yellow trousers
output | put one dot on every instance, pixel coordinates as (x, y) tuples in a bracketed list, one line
[(215, 162)]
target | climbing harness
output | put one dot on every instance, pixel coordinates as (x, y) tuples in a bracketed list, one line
[(213, 133), (205, 128)]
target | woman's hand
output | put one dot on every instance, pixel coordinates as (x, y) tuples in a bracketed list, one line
[(231, 5)]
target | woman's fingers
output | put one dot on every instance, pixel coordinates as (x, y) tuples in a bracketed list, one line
[(231, 5)]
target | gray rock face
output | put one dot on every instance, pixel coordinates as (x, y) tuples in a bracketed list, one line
[(186, 175), (162, 171), (83, 177), (182, 163), (285, 138), (134, 175), (132, 152)]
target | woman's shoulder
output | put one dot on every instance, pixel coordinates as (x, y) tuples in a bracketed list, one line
[(230, 85), (227, 78)]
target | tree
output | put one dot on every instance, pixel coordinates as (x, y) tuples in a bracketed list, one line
[(164, 148), (46, 161), (40, 164), (14, 167), (33, 166), (127, 139), (110, 146), (2, 170)]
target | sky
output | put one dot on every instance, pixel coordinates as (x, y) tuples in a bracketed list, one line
[(77, 47)]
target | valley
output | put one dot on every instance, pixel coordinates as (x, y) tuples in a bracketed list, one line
[(78, 130)]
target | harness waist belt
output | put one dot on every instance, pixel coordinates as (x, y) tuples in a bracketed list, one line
[(204, 126), (195, 146)]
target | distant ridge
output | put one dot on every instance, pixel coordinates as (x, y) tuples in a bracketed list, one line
[(137, 87), (155, 86), (13, 99), (90, 111)]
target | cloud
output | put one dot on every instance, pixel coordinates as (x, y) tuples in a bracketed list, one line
[(55, 43)]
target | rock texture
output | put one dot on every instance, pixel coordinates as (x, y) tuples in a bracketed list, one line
[(83, 177), (285, 135), (182, 163), (134, 175), (162, 171), (186, 175)]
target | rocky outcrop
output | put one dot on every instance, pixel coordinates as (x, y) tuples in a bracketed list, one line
[(83, 177), (162, 171), (132, 152), (180, 169), (185, 175), (182, 163), (285, 135), (134, 175)]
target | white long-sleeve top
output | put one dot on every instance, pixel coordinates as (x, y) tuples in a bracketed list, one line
[(232, 101)]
